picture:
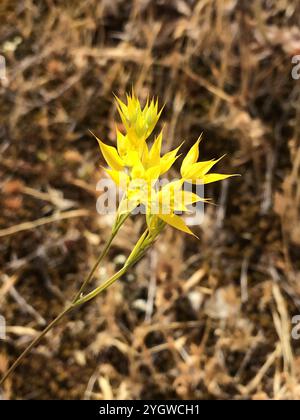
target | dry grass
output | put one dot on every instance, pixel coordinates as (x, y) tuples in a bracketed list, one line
[(195, 319)]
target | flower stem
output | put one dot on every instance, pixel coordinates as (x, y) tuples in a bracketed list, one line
[(80, 301), (35, 342), (102, 287), (72, 306), (93, 270), (133, 258), (119, 222)]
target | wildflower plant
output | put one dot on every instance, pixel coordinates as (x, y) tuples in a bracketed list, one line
[(136, 166)]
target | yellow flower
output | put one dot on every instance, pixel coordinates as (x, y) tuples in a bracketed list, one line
[(128, 169), (171, 198), (197, 172), (132, 165), (136, 168), (139, 123)]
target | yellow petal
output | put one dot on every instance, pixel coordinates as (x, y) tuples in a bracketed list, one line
[(122, 143), (190, 158), (173, 185), (123, 112), (154, 154), (168, 159), (135, 141), (133, 107), (152, 174), (119, 177), (207, 179), (152, 118), (166, 162), (131, 158), (140, 126), (111, 156), (197, 169), (176, 221), (171, 188), (122, 108), (144, 154), (127, 205), (166, 196), (138, 170), (185, 198)]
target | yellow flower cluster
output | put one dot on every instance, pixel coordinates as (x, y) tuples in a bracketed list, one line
[(136, 167)]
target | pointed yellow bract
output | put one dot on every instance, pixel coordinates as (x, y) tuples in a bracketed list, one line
[(153, 158), (111, 156), (168, 160), (190, 158), (176, 221), (120, 178), (136, 168), (207, 179), (139, 123)]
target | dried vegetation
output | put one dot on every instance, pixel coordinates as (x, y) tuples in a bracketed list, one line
[(195, 319)]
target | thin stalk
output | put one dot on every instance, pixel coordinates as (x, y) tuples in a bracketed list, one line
[(103, 254), (102, 287), (95, 267), (75, 304), (131, 260), (35, 342)]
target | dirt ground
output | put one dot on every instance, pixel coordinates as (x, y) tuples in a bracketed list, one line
[(195, 319)]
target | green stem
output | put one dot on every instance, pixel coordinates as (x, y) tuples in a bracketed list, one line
[(102, 287), (78, 302), (134, 257), (118, 224), (95, 267), (35, 342)]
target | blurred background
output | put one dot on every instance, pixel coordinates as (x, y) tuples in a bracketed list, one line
[(195, 319)]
